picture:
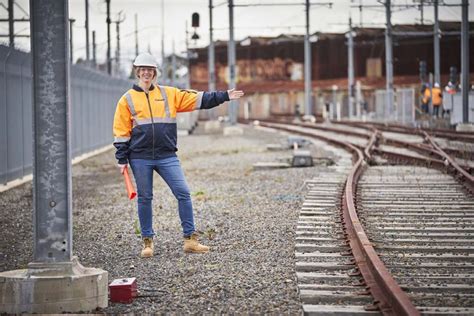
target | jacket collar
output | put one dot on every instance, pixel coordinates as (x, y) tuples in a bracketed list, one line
[(137, 88)]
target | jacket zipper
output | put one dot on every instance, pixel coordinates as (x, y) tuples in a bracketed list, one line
[(152, 126)]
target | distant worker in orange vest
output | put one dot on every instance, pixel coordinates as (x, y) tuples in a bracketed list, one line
[(437, 99)]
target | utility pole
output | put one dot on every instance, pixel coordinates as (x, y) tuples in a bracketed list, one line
[(136, 34), (231, 62), (117, 52), (465, 83), (164, 73), (94, 48), (11, 31), (211, 62), (421, 13), (436, 43), (350, 63), (188, 81), (389, 58), (71, 46), (109, 61), (173, 66), (307, 65), (87, 31), (212, 75)]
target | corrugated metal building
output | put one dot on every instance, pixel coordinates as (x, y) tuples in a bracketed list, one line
[(274, 66)]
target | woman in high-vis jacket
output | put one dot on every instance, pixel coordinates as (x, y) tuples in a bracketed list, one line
[(145, 135)]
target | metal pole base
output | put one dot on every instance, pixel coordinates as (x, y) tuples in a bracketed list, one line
[(53, 288)]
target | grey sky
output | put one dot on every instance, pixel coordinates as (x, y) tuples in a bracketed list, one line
[(254, 21)]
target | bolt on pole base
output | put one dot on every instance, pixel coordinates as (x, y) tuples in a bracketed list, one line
[(53, 288)]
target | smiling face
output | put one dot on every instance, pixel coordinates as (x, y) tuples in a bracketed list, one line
[(145, 75)]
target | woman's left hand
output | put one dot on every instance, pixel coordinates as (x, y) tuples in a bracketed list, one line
[(235, 94)]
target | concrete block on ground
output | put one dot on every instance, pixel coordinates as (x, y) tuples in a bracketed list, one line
[(465, 127), (64, 287), (233, 130)]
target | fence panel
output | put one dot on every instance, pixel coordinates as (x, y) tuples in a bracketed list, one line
[(405, 106), (93, 98)]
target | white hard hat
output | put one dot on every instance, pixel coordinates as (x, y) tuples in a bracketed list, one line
[(145, 60), (436, 85)]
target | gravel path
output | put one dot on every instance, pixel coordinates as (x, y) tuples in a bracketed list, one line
[(247, 217)]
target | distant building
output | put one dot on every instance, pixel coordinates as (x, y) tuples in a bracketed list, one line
[(270, 69)]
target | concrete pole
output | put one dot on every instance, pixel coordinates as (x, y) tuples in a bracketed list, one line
[(465, 82), (211, 55), (164, 72), (173, 66), (136, 34), (389, 59), (87, 31), (231, 62), (11, 24), (117, 51), (422, 18), (212, 67), (188, 81), (109, 61), (307, 66), (71, 43), (436, 44), (350, 63), (94, 50), (358, 98), (52, 200)]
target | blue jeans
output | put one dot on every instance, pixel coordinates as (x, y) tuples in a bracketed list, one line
[(170, 170)]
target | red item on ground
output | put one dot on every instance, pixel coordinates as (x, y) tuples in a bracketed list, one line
[(123, 290), (129, 185)]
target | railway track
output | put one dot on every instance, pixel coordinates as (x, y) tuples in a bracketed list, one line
[(411, 239)]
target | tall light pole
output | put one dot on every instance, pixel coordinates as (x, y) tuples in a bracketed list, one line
[(389, 58), (212, 75), (350, 63), (109, 61), (211, 63), (465, 82), (231, 62), (436, 43), (307, 65), (11, 24), (87, 31)]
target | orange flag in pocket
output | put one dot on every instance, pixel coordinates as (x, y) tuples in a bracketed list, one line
[(129, 185)]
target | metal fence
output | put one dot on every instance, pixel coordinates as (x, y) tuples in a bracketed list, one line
[(404, 106), (94, 96)]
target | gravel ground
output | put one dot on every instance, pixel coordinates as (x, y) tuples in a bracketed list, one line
[(248, 218)]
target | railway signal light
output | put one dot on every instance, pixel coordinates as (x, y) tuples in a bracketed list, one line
[(423, 71), (453, 75), (195, 24), (195, 19)]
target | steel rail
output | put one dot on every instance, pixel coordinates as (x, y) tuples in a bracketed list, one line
[(443, 133), (388, 296), (468, 178), (423, 149)]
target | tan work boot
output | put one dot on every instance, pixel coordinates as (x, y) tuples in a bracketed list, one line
[(192, 245), (147, 250)]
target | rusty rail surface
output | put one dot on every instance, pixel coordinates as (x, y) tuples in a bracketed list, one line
[(429, 151), (467, 178), (389, 298), (444, 133)]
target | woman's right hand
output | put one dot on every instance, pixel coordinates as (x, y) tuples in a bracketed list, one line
[(122, 167)]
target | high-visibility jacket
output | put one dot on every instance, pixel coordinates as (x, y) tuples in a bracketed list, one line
[(437, 96), (145, 123)]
